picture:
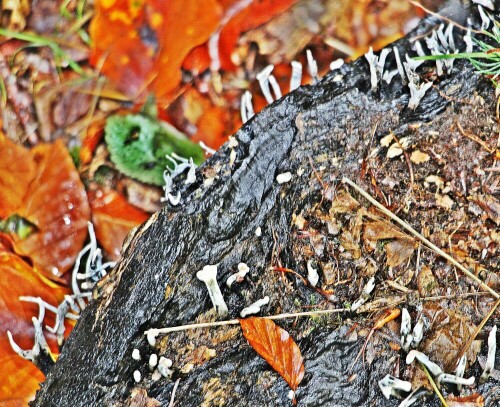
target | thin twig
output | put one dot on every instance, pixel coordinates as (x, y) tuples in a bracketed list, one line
[(172, 397), (157, 331), (428, 243), (433, 384)]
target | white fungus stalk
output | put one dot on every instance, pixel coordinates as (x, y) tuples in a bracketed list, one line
[(312, 66), (449, 378), (392, 386), (422, 358), (490, 361), (296, 77), (209, 276), (406, 337), (254, 308), (312, 274), (460, 370), (418, 332), (365, 294), (263, 78)]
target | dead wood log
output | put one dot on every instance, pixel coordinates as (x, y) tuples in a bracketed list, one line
[(319, 134)]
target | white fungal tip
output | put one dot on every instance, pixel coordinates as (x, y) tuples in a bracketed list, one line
[(164, 365), (153, 361), (137, 376), (336, 64), (258, 231), (284, 177), (151, 337), (136, 355), (312, 274)]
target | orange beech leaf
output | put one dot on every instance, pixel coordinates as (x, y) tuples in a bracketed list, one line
[(276, 346), (19, 378), (113, 217), (17, 169), (149, 41), (257, 13), (57, 204)]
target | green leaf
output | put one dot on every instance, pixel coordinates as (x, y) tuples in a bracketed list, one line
[(138, 145)]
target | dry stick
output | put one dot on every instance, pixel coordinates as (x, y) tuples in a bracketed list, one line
[(429, 244), (478, 329), (156, 331)]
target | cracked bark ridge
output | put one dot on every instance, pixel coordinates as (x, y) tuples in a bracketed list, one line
[(155, 285)]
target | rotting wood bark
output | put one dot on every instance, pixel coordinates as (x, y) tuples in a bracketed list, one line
[(322, 132)]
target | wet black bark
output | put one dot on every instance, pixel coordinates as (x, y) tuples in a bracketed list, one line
[(328, 126)]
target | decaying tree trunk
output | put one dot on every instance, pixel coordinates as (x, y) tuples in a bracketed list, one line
[(319, 134)]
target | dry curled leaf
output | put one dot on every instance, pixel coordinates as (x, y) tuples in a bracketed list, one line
[(276, 346)]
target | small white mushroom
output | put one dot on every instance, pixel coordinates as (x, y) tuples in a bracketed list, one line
[(417, 92), (365, 294), (209, 276), (164, 365), (460, 370), (376, 64), (490, 361), (414, 396), (312, 274), (255, 307), (392, 386), (449, 378), (284, 177), (422, 358), (296, 77), (137, 376), (258, 231), (239, 276), (136, 355), (153, 361)]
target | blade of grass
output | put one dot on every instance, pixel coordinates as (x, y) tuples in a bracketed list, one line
[(433, 384)]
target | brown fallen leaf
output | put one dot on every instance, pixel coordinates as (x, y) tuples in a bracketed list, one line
[(277, 347)]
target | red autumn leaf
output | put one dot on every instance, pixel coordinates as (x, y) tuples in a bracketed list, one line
[(276, 346), (149, 41), (257, 13), (113, 217), (57, 204), (19, 378), (17, 169)]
